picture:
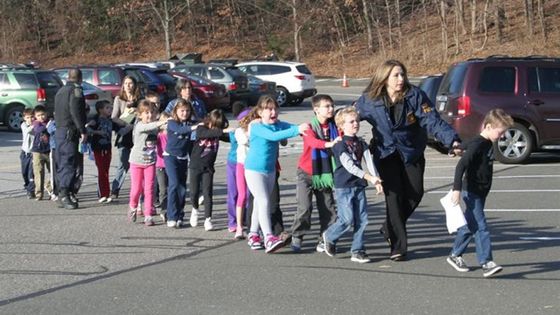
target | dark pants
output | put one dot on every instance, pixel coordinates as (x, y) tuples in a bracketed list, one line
[(122, 170), (26, 160), (304, 196), (162, 184), (176, 170), (54, 165), (404, 188), (202, 180), (67, 158), (276, 220)]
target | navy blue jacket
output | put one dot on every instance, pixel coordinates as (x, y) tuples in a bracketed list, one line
[(179, 141), (408, 135)]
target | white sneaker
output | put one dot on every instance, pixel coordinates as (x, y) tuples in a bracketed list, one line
[(208, 224), (102, 199), (171, 223), (194, 217), (179, 224), (108, 200)]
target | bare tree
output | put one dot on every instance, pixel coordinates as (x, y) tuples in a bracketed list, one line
[(529, 16), (165, 14), (398, 21), (443, 22), (540, 11), (389, 23), (499, 16), (368, 25), (460, 14), (485, 24), (473, 17)]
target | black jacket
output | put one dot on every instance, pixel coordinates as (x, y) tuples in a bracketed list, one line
[(70, 108)]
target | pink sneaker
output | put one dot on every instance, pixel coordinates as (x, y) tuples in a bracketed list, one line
[(273, 243), (131, 215), (255, 242), (232, 229)]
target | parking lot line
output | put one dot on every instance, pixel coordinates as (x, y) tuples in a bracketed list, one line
[(522, 210), (503, 191), (498, 177)]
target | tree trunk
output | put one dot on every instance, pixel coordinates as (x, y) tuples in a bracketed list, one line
[(425, 31), (485, 24), (443, 22), (473, 17), (540, 11), (456, 28), (460, 9), (499, 16), (529, 16), (389, 24), (368, 26), (296, 29), (398, 21)]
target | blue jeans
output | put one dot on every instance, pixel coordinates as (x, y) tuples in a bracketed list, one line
[(476, 226), (352, 209), (122, 169), (26, 160), (176, 170)]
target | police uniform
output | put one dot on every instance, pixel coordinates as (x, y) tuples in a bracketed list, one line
[(398, 144), (70, 117)]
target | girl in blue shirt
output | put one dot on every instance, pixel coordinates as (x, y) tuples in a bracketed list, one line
[(260, 167)]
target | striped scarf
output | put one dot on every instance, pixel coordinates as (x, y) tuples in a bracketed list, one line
[(322, 162)]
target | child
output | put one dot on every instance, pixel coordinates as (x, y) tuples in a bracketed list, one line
[(315, 173), (260, 167), (242, 140), (101, 128), (161, 176), (350, 181), (176, 158), (142, 161), (26, 157), (476, 166), (201, 168), (40, 150)]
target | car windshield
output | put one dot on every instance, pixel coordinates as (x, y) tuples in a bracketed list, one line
[(303, 69), (200, 80), (89, 87)]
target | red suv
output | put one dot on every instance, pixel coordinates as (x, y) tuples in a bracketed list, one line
[(107, 78), (527, 88)]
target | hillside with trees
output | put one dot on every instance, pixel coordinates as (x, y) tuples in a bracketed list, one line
[(331, 36)]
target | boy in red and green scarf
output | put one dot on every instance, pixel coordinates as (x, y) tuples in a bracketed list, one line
[(315, 173)]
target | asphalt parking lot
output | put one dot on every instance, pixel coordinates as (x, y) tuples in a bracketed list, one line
[(91, 261)]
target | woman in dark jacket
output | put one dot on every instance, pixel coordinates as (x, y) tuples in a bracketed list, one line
[(401, 115)]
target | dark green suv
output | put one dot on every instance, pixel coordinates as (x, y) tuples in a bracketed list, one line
[(22, 88)]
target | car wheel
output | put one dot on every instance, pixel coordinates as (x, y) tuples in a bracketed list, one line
[(281, 96), (14, 118), (296, 101), (515, 146)]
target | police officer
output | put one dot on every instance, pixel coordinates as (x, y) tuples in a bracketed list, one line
[(401, 116), (70, 117)]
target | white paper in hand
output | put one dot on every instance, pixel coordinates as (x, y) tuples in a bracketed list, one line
[(454, 216)]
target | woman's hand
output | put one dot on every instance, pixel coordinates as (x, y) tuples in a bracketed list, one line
[(331, 144)]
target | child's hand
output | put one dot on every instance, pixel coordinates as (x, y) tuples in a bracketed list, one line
[(379, 188), (455, 197), (456, 149), (303, 128), (228, 130), (332, 143)]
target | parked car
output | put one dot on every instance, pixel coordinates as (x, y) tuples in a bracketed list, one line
[(148, 80), (231, 78), (107, 78), (151, 65), (294, 81), (93, 94), (527, 88), (214, 95), (259, 88), (22, 88), (430, 86)]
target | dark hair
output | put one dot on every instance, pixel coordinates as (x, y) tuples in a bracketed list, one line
[(101, 104), (217, 119), (179, 104), (135, 92), (74, 75), (151, 94), (181, 83), (316, 100), (39, 109)]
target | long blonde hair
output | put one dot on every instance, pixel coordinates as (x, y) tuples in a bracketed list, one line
[(377, 87)]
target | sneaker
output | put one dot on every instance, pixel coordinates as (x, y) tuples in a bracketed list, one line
[(296, 244), (54, 197), (163, 216), (360, 257), (239, 235), (38, 196), (194, 217), (458, 263), (232, 229), (273, 243), (255, 242), (148, 221), (132, 215), (73, 198), (171, 224), (330, 248), (102, 200), (320, 247), (397, 256), (109, 200), (208, 226), (179, 224), (490, 268), (30, 195), (285, 237), (114, 195)]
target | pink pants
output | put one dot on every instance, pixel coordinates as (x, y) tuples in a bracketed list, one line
[(142, 180), (241, 184)]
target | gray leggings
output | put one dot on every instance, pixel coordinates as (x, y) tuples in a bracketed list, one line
[(260, 185)]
